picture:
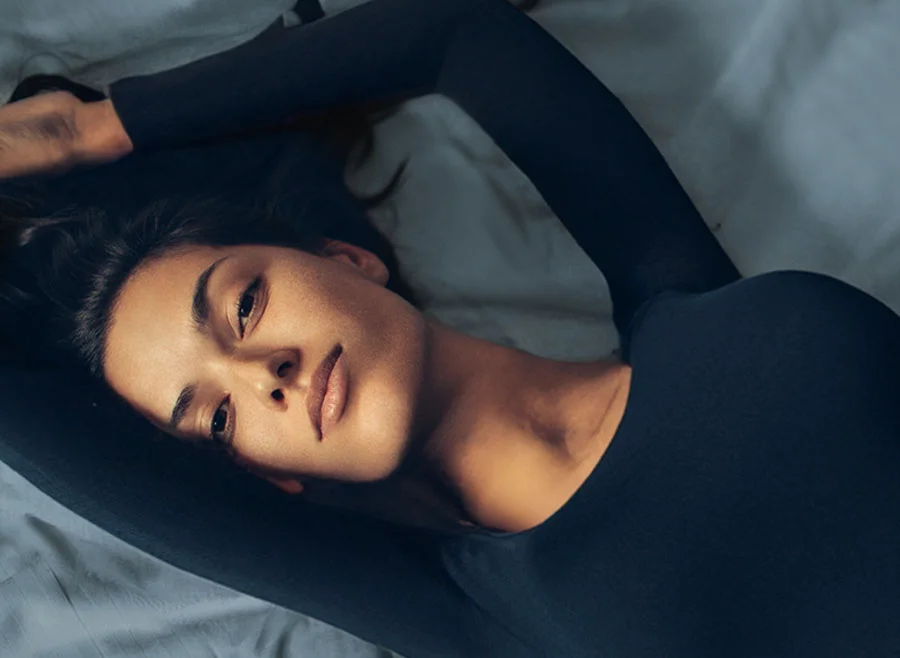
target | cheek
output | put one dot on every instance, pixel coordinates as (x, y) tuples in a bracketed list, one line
[(310, 305), (336, 295), (268, 439)]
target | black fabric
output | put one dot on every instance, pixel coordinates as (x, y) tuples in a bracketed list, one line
[(36, 84), (747, 505), (566, 131), (309, 10)]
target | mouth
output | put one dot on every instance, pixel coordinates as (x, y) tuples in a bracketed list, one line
[(327, 392)]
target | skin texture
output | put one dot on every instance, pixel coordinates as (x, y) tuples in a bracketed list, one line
[(450, 428), (55, 131), (304, 306), (38, 135), (508, 435), (461, 429)]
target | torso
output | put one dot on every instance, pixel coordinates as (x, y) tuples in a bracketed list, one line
[(747, 503)]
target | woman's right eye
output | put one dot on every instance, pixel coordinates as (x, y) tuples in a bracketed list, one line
[(219, 423), (247, 304)]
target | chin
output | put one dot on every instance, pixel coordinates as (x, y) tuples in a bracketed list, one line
[(390, 455), (384, 470), (371, 443), (386, 364), (387, 421)]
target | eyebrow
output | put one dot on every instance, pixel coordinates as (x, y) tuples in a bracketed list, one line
[(182, 404), (200, 314), (200, 304)]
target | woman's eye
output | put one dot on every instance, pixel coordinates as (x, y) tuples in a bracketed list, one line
[(246, 304), (219, 423)]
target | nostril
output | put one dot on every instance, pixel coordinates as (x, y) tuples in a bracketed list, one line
[(277, 395), (284, 369)]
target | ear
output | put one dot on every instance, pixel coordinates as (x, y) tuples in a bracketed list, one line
[(362, 260), (287, 484)]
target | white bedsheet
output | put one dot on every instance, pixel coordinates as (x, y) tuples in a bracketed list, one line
[(780, 117)]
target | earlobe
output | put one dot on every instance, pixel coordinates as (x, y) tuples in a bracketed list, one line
[(288, 486)]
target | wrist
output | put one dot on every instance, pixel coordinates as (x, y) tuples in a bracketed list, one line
[(101, 137)]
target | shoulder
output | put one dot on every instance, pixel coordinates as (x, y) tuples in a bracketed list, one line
[(802, 311), (516, 499), (788, 296), (815, 304)]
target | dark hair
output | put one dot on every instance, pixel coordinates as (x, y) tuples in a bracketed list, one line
[(70, 243), (74, 240), (78, 238)]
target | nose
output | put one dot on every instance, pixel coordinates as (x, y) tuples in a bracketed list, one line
[(272, 375)]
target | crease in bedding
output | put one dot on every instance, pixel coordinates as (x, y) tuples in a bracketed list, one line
[(780, 118)]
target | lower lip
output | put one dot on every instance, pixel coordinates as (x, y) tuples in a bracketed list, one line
[(335, 396)]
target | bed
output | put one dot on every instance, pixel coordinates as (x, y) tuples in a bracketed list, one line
[(781, 118)]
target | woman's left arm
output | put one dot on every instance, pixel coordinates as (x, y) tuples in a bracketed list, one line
[(590, 160), (577, 143)]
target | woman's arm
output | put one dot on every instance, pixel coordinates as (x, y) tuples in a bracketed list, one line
[(55, 131), (590, 160), (574, 140)]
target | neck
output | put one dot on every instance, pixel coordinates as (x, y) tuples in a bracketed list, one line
[(505, 429)]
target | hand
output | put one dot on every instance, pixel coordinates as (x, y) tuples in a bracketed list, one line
[(53, 132), (38, 134)]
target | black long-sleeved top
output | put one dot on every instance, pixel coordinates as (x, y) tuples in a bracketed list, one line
[(749, 503)]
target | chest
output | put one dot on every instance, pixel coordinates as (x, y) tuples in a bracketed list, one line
[(745, 474)]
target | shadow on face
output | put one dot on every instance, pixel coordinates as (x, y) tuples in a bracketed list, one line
[(303, 365)]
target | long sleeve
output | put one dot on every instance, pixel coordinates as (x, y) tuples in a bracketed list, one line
[(588, 158), (383, 583), (576, 142)]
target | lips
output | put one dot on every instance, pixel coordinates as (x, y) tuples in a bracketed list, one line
[(327, 392)]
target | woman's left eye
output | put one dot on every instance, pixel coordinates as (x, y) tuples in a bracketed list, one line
[(246, 304)]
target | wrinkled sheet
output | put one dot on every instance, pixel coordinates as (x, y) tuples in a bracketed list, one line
[(780, 117)]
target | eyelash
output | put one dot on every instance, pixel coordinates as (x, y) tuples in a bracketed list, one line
[(251, 292), (220, 436)]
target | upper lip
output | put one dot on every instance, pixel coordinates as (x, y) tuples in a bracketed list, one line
[(318, 386)]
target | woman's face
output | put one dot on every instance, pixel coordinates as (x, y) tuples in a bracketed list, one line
[(305, 365)]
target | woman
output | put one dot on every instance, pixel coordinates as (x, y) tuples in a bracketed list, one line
[(730, 489)]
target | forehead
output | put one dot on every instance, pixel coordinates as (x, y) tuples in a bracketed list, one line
[(151, 335)]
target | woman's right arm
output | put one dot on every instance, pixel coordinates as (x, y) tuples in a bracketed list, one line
[(577, 143)]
